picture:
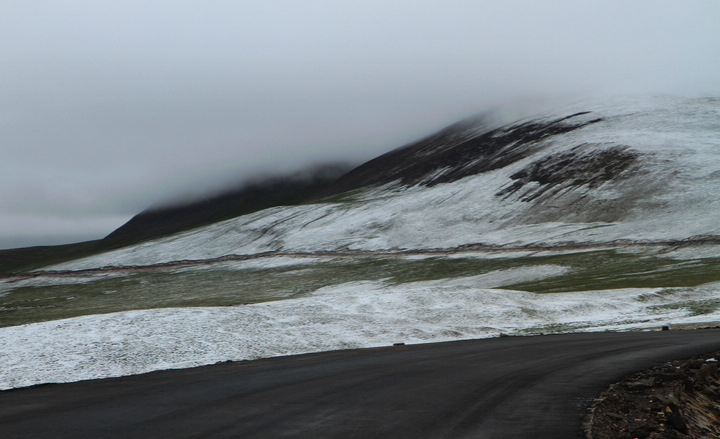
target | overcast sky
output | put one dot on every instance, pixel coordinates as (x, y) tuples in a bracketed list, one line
[(107, 107)]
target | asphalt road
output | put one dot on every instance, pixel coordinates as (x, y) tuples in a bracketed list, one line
[(513, 387)]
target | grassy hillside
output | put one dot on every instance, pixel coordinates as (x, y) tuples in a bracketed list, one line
[(270, 279)]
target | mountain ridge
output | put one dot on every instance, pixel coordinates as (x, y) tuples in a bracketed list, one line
[(281, 190), (629, 168), (602, 171), (452, 154)]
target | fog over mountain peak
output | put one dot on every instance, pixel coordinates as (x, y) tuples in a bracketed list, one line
[(635, 169)]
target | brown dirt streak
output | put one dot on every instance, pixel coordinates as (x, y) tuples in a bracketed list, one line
[(466, 248)]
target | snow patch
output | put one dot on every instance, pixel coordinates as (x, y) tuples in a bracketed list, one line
[(353, 315)]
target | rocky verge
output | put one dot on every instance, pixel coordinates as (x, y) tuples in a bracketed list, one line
[(676, 400)]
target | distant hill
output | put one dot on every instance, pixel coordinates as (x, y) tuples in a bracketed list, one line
[(633, 170), (262, 193), (281, 190)]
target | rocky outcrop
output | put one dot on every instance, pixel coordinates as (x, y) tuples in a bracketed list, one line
[(460, 150)]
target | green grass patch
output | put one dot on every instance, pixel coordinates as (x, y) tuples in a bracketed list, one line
[(42, 299), (609, 269), (39, 299)]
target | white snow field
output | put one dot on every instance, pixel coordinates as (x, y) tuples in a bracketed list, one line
[(355, 315), (669, 192)]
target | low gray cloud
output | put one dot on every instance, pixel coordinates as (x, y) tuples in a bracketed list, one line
[(108, 107)]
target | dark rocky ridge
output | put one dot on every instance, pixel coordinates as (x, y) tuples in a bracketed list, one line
[(586, 164), (455, 153)]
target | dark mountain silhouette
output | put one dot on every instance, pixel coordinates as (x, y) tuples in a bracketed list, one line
[(459, 150), (281, 190)]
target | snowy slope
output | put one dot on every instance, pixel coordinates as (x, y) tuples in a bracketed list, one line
[(640, 170), (361, 314), (619, 169)]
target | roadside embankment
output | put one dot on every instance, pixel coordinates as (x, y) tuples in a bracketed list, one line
[(676, 400)]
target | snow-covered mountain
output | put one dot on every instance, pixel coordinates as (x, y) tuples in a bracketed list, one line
[(633, 169), (604, 215)]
